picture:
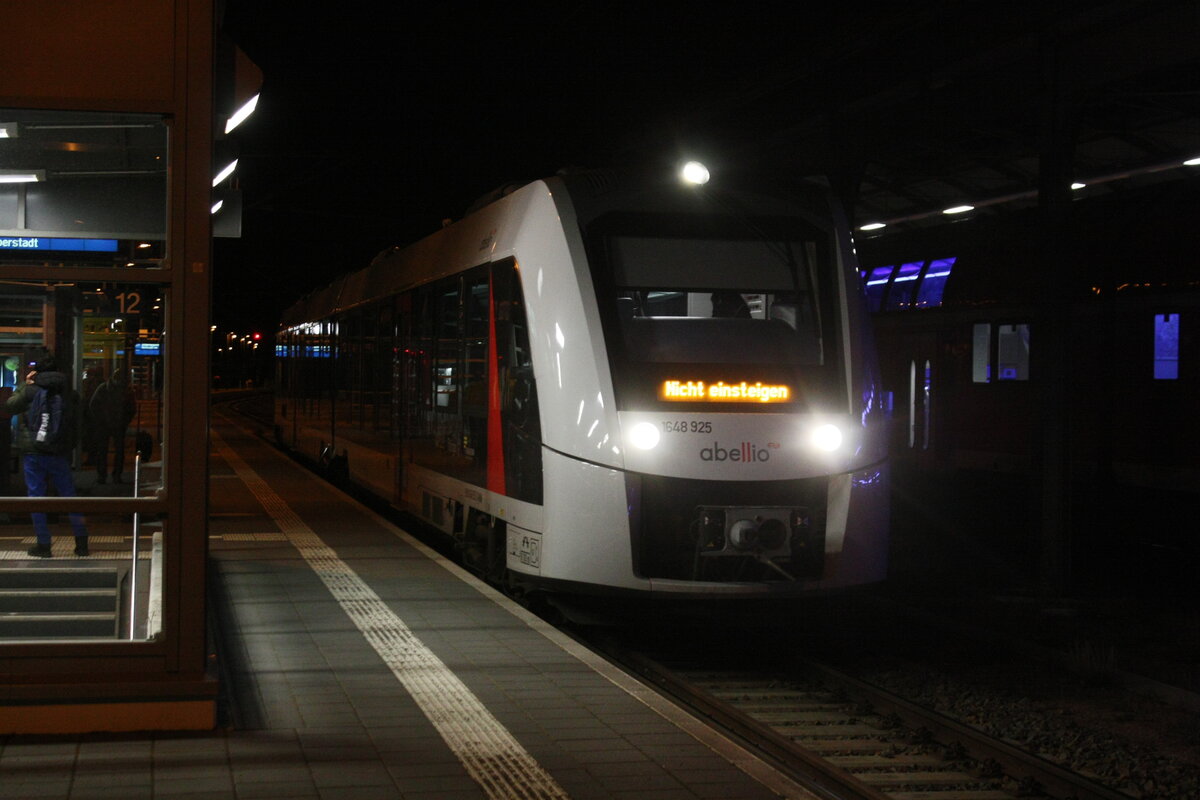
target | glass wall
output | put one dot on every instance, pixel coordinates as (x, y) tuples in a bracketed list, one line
[(84, 294)]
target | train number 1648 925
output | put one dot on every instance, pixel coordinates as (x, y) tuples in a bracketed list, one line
[(687, 426)]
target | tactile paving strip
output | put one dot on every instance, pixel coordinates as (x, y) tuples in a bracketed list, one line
[(488, 751)]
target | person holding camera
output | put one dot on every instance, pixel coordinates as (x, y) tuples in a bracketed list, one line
[(46, 409)]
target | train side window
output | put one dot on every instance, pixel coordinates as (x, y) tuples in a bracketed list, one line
[(1010, 361), (1012, 344), (1166, 347), (933, 284), (981, 347), (877, 281), (446, 368), (519, 420), (900, 296)]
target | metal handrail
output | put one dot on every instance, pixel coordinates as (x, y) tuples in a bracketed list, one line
[(137, 483), (81, 505)]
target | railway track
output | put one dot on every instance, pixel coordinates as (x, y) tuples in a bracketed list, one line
[(847, 739), (839, 735)]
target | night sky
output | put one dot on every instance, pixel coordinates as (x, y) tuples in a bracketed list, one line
[(375, 125)]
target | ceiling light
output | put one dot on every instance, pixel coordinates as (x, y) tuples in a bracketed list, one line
[(1192, 162), (958, 209), (1077, 185), (225, 173), (694, 173), (22, 175), (872, 226), (240, 115), (9, 130)]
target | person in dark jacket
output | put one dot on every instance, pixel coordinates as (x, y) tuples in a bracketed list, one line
[(110, 411), (5, 439), (93, 376), (46, 437)]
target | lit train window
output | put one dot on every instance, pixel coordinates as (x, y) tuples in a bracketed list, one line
[(916, 284), (933, 285), (900, 295), (877, 281), (1166, 347)]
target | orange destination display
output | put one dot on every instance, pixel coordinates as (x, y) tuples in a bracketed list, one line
[(721, 392)]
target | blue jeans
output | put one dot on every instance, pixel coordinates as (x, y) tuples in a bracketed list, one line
[(41, 469)]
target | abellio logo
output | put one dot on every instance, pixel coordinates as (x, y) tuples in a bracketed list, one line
[(746, 452)]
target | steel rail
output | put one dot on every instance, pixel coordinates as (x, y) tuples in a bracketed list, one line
[(1018, 763), (815, 773)]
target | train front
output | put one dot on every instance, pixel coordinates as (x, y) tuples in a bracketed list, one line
[(752, 438)]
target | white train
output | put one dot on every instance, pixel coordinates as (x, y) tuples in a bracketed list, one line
[(600, 386)]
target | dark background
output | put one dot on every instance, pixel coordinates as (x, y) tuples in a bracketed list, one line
[(376, 124)]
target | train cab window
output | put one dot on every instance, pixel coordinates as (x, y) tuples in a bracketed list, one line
[(716, 299), (1166, 347), (678, 301)]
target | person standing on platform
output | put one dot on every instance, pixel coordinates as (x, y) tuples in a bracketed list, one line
[(6, 430), (93, 376), (110, 411), (47, 409)]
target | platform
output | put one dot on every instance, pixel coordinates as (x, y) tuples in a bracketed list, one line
[(360, 663)]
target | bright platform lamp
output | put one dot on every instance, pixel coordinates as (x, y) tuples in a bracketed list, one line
[(22, 175)]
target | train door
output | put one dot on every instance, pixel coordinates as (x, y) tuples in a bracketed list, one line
[(401, 367), (921, 393), (417, 384)]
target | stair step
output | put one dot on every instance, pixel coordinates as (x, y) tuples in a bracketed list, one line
[(52, 577), (58, 600), (45, 625)]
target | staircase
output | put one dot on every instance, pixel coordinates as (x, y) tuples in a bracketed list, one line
[(60, 603)]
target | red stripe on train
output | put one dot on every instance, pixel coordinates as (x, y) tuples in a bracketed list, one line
[(495, 431)]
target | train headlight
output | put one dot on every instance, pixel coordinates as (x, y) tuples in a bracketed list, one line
[(644, 436), (827, 437)]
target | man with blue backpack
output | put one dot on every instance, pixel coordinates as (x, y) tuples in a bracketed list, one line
[(47, 429)]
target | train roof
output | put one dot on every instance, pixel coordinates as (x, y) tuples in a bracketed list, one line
[(593, 193), (455, 247)]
